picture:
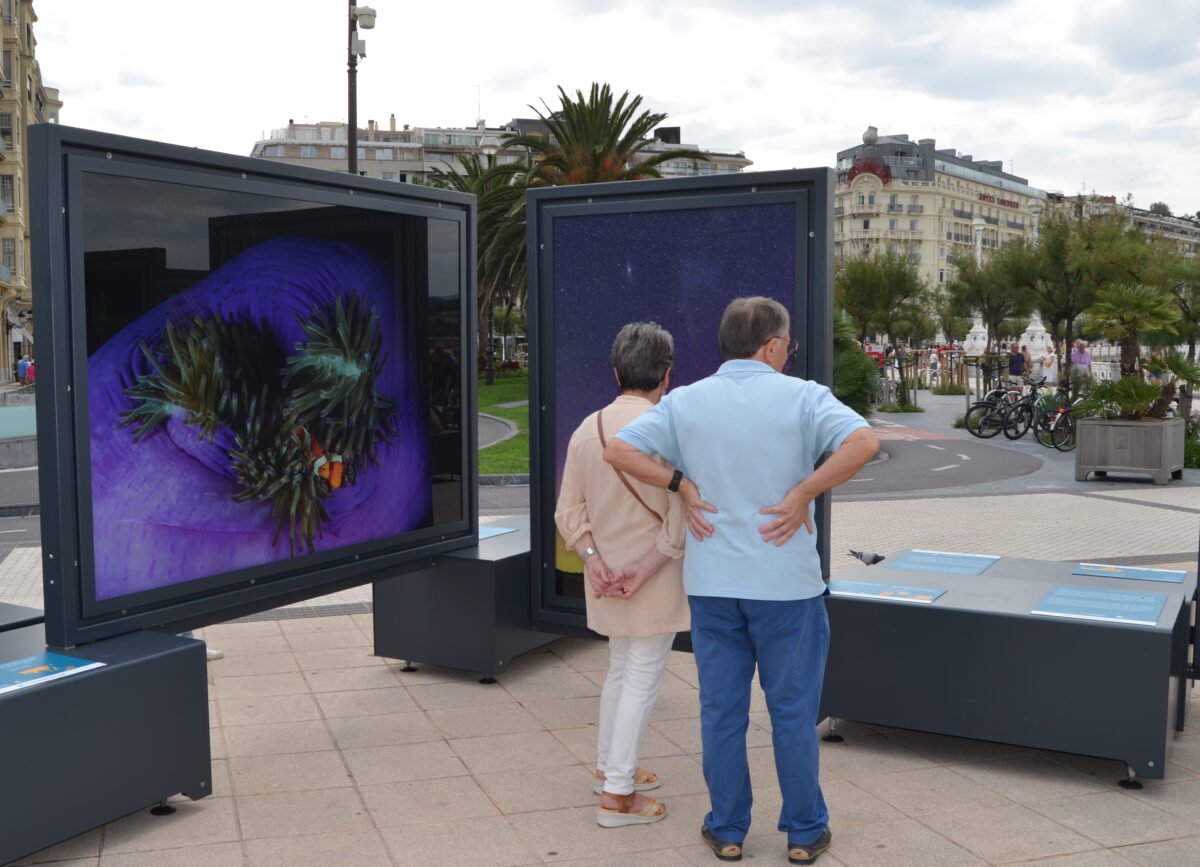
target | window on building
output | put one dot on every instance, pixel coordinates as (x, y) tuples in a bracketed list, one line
[(913, 201), (941, 276), (892, 225), (385, 153), (273, 151), (941, 252), (337, 152), (893, 199), (438, 157), (8, 5), (6, 68), (862, 200), (866, 224), (389, 176), (870, 198), (9, 256), (6, 192), (465, 140), (308, 152), (362, 153), (6, 130), (912, 225)]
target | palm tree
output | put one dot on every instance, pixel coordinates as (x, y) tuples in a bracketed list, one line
[(596, 138), (500, 260), (1125, 310)]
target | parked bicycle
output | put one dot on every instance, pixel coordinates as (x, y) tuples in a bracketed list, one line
[(1018, 418), (985, 417), (1054, 424)]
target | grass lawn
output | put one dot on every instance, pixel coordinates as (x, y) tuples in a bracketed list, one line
[(512, 455)]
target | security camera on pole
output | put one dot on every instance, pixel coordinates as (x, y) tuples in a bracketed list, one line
[(363, 16)]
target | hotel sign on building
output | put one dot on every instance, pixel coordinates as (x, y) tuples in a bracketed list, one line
[(921, 202)]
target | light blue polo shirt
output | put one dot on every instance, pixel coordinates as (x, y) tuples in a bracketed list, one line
[(746, 435)]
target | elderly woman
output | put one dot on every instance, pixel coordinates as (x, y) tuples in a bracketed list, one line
[(630, 537)]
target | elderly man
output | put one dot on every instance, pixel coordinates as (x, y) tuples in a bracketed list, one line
[(748, 439)]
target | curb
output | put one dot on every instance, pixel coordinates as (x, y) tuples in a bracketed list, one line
[(512, 431), (504, 479)]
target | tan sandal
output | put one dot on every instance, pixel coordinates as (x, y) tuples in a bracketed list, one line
[(653, 811), (643, 781), (725, 850), (807, 853)]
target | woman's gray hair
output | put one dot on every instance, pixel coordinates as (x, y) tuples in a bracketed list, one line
[(748, 323), (641, 354)]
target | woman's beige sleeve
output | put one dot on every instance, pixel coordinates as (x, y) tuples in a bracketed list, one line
[(571, 513)]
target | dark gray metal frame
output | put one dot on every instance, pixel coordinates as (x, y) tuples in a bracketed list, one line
[(811, 190), (58, 157)]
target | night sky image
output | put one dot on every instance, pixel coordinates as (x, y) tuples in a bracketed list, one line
[(268, 411), (679, 268)]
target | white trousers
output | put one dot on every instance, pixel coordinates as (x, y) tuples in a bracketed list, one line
[(635, 674)]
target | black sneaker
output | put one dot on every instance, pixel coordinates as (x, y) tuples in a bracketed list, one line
[(807, 853)]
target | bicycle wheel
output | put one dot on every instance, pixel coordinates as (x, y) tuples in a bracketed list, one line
[(1064, 439), (1017, 421), (1045, 428), (984, 420)]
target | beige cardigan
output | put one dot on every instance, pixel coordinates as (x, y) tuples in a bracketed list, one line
[(593, 499)]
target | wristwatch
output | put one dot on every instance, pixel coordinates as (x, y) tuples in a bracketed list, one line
[(588, 552), (675, 480)]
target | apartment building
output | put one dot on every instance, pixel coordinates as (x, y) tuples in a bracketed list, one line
[(24, 100), (410, 154), (913, 198)]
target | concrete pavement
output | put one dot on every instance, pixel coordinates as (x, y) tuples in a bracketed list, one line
[(325, 754)]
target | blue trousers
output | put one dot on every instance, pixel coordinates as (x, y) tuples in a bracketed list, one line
[(788, 641)]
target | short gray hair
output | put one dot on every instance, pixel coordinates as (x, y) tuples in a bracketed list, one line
[(641, 354), (748, 323)]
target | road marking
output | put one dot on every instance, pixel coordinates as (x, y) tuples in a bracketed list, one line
[(964, 457), (947, 467), (20, 470), (853, 480), (932, 446), (14, 531)]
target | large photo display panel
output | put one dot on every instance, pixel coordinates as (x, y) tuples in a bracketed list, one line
[(253, 381), (259, 379), (679, 268)]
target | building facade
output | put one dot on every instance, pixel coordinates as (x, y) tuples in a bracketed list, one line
[(411, 154), (1182, 232), (917, 200), (24, 100)]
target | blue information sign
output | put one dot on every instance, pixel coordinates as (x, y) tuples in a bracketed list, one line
[(943, 561), (1102, 570), (895, 592), (43, 667), (1096, 603)]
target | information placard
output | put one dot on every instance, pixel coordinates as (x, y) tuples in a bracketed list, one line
[(1103, 570), (943, 561), (40, 668), (895, 592), (1098, 603)]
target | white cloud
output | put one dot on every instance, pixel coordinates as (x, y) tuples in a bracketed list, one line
[(1099, 93)]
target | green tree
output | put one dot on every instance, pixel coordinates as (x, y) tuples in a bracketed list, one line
[(1126, 310), (879, 292), (988, 290), (1160, 209)]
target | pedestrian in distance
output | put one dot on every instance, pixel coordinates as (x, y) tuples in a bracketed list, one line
[(630, 536), (746, 441), (23, 368)]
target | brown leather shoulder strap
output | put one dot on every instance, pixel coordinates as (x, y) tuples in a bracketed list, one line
[(621, 475)]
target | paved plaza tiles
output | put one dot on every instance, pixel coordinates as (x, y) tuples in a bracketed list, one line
[(324, 754)]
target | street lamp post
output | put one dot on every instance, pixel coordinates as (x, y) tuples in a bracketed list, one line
[(364, 16), (489, 144), (977, 226)]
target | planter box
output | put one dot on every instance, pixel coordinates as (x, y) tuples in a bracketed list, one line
[(1153, 447)]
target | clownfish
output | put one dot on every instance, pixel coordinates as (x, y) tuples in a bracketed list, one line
[(327, 467)]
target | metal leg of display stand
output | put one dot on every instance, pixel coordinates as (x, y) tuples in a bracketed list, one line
[(1130, 781), (833, 737), (162, 808), (408, 666), (487, 679)]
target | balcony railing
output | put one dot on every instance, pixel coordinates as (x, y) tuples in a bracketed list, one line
[(893, 208), (838, 211), (856, 208), (963, 215), (993, 221), (916, 209), (1013, 224)]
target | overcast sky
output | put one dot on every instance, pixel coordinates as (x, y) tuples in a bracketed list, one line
[(1075, 95)]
